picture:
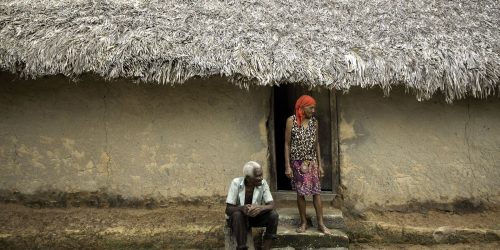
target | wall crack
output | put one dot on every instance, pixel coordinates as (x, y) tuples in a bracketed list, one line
[(106, 133), (468, 146)]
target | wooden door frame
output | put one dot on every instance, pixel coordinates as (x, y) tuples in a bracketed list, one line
[(272, 146), (334, 133), (335, 149)]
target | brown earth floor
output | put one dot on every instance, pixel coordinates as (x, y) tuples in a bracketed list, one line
[(485, 219), (20, 219), (475, 230), (476, 246), (189, 226), (173, 227)]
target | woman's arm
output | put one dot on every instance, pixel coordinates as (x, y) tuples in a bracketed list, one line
[(288, 136)]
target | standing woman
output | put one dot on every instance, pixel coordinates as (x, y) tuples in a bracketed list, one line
[(302, 159)]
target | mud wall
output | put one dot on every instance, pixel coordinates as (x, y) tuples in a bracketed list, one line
[(398, 153), (136, 140)]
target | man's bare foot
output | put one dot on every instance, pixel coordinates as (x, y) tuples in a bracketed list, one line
[(302, 228), (324, 229)]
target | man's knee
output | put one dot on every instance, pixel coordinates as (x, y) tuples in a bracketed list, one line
[(272, 225), (236, 215), (274, 216)]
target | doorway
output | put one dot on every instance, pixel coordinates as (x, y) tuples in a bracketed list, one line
[(283, 102)]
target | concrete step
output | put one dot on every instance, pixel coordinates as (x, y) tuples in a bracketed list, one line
[(332, 217), (321, 248), (288, 238), (311, 239)]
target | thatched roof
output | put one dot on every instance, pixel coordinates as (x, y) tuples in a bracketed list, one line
[(428, 45)]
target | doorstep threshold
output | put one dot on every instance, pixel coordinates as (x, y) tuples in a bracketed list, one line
[(288, 195)]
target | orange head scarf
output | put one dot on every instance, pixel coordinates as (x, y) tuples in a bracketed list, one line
[(302, 102)]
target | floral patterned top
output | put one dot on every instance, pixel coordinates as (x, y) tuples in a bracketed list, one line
[(303, 140)]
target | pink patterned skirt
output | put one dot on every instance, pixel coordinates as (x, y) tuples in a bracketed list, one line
[(305, 182)]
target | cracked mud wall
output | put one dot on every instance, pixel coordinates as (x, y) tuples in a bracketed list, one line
[(135, 140), (397, 152)]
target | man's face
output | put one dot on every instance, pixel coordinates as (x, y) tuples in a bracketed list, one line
[(257, 177)]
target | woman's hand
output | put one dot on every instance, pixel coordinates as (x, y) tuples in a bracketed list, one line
[(288, 172), (321, 172)]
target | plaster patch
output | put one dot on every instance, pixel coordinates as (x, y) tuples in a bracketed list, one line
[(90, 166), (68, 144), (263, 130), (406, 184), (149, 153), (72, 231), (261, 158), (36, 154), (147, 131), (113, 230), (32, 155), (50, 154), (195, 157), (346, 129), (77, 155), (347, 166), (418, 168), (37, 164), (46, 140), (4, 236), (104, 163), (172, 160), (23, 150)]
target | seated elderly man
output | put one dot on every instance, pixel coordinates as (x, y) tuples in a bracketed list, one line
[(250, 204)]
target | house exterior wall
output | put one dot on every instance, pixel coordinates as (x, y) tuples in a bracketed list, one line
[(397, 152), (190, 140), (135, 140)]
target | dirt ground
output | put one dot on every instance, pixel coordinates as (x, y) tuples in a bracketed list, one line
[(427, 229), (486, 219), (476, 246), (178, 226), (19, 219), (172, 227)]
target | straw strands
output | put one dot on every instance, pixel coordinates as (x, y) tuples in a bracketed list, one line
[(427, 45)]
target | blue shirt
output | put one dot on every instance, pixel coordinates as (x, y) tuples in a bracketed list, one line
[(236, 193)]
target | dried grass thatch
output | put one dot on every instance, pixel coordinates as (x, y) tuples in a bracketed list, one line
[(427, 45)]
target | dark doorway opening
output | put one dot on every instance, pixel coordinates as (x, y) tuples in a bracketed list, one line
[(284, 98)]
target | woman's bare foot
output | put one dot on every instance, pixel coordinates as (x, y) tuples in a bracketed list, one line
[(324, 229), (301, 229)]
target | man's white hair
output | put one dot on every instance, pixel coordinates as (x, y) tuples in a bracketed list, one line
[(249, 167)]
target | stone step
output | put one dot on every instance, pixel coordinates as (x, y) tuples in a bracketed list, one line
[(288, 238), (332, 217), (311, 239), (321, 248)]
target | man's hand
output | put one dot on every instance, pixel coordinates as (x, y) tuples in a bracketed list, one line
[(254, 210), (245, 209)]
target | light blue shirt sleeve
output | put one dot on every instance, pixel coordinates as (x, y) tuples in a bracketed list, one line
[(232, 194), (266, 193)]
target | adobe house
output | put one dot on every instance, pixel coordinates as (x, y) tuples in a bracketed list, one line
[(160, 100)]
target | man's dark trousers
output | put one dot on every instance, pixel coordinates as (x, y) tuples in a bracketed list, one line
[(240, 224)]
